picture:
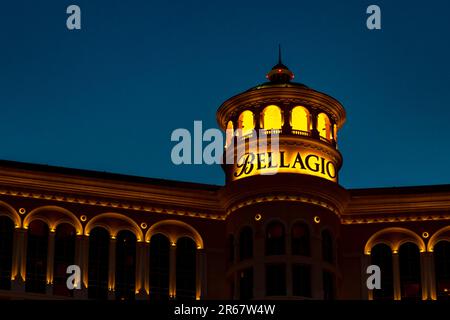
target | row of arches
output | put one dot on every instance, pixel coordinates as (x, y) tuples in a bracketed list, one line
[(301, 122), (275, 242), (407, 262), (112, 256)]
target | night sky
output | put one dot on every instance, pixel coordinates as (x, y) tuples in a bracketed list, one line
[(108, 96)]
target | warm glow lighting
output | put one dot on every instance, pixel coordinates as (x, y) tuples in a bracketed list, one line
[(22, 211), (425, 235), (317, 219), (271, 118), (286, 160), (300, 119), (143, 225), (229, 133), (324, 126), (258, 217), (246, 122), (83, 218)]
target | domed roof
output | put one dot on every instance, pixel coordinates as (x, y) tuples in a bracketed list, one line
[(280, 73)]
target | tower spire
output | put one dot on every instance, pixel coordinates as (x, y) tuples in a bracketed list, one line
[(280, 73)]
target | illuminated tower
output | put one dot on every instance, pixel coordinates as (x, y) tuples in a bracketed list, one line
[(283, 202)]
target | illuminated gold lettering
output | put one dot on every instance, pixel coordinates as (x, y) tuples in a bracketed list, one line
[(309, 156), (298, 159)]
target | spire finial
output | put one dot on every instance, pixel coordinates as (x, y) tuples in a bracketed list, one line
[(279, 54), (280, 73)]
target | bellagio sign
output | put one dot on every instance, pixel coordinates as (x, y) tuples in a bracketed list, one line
[(285, 161)]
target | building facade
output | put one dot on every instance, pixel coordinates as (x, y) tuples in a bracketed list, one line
[(280, 228)]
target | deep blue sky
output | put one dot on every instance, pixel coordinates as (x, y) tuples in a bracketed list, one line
[(107, 97)]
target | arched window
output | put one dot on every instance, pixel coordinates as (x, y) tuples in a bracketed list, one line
[(37, 246), (230, 248), (64, 257), (335, 132), (381, 256), (98, 263), (186, 268), (441, 254), (246, 243), (300, 119), (275, 239), (246, 123), (409, 255), (324, 126), (271, 118), (327, 246), (6, 250), (300, 240), (229, 133), (125, 265), (159, 267)]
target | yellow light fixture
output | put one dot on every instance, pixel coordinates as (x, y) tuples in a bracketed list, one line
[(83, 218), (425, 235), (258, 217), (22, 211), (317, 219), (143, 225)]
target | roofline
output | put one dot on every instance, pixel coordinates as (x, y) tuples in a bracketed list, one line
[(27, 166)]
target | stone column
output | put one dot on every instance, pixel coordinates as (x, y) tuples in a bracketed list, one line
[(200, 274), (314, 131), (19, 260), (141, 256), (316, 268), (366, 294), (112, 269), (396, 273), (431, 276), (82, 260), (287, 128), (173, 271), (50, 262)]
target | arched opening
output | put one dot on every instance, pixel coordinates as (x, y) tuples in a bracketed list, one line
[(381, 256), (327, 247), (159, 267), (231, 248), (300, 119), (324, 126), (186, 268), (229, 133), (246, 123), (37, 247), (64, 256), (275, 239), (6, 251), (98, 263), (409, 256), (125, 265), (441, 254), (246, 244), (271, 118), (335, 132), (300, 239)]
